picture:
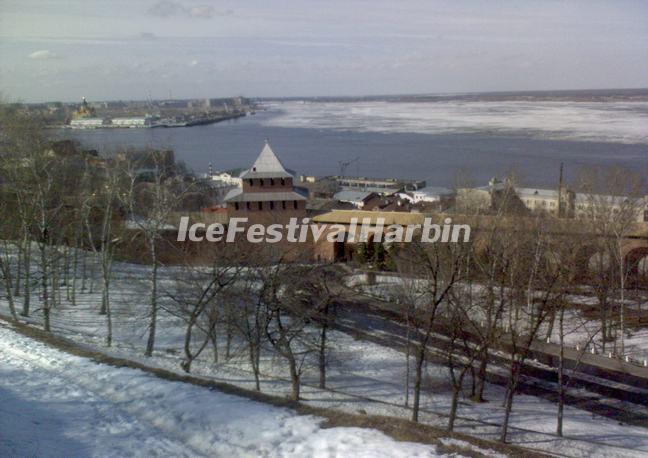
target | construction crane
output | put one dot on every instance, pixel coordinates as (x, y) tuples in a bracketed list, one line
[(345, 164)]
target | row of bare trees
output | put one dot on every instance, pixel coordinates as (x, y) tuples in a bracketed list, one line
[(512, 288), (65, 211), (261, 304)]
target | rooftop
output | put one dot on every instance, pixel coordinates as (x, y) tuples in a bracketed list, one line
[(352, 196), (237, 195), (435, 191), (535, 192), (601, 199), (267, 165)]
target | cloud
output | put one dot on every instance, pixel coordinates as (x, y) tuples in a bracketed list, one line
[(202, 11), (193, 63), (169, 8), (166, 8), (43, 54)]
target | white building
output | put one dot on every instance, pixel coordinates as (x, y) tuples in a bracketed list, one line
[(539, 200), (432, 194), (225, 178), (597, 205), (355, 198), (221, 183), (140, 121), (86, 123)]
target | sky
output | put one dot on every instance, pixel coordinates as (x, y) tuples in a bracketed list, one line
[(107, 50)]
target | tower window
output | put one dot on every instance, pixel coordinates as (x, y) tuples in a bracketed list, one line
[(283, 204), (271, 204), (271, 182), (236, 205), (247, 205), (260, 205), (261, 182), (295, 204), (283, 182)]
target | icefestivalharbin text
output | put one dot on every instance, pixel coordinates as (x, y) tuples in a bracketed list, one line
[(303, 231)]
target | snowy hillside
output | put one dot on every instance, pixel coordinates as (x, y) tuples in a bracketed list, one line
[(55, 404), (362, 376)]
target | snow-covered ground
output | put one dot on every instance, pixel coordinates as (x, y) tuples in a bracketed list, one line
[(55, 404), (362, 376), (579, 330)]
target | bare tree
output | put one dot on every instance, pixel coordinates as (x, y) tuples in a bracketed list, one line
[(286, 317), (319, 289), (150, 205), (462, 323), (533, 289), (610, 202), (439, 268), (200, 296), (98, 202)]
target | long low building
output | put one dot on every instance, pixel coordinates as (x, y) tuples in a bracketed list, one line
[(432, 194), (87, 123), (139, 121), (545, 200), (356, 198)]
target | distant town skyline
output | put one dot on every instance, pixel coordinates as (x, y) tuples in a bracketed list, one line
[(63, 50)]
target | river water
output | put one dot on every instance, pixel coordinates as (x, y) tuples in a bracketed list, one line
[(444, 145)]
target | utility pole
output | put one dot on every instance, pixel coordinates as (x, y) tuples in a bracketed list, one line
[(561, 194)]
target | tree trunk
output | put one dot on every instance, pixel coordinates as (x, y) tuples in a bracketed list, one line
[(322, 349), (44, 286), (213, 337), (508, 402), (408, 349), (106, 302), (19, 264), (481, 376), (6, 273), (254, 362), (418, 378), (84, 271), (622, 302), (228, 340), (186, 364), (294, 378), (453, 408), (75, 268), (561, 372), (604, 333), (27, 282), (150, 344)]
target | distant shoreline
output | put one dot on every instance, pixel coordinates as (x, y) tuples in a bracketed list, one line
[(563, 95), (162, 124)]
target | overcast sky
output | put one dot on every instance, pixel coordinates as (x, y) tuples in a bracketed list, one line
[(62, 50)]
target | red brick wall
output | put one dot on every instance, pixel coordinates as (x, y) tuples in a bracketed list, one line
[(277, 214)]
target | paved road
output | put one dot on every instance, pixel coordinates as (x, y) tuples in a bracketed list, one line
[(366, 322)]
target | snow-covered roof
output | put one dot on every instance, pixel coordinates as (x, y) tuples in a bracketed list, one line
[(351, 196), (536, 192), (434, 191), (267, 165), (263, 196)]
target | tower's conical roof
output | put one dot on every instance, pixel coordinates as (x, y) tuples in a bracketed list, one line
[(267, 165)]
